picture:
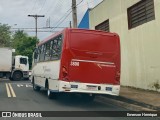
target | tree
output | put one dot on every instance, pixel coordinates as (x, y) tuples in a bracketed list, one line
[(5, 35), (24, 44)]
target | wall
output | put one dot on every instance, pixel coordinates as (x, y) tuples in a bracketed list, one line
[(85, 21), (140, 46)]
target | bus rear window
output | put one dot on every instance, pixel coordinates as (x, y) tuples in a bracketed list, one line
[(93, 42)]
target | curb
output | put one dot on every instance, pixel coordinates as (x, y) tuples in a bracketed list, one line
[(127, 103)]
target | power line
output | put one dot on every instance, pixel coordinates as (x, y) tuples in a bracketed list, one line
[(42, 6), (39, 28), (79, 3), (58, 3), (34, 5), (49, 7), (34, 31), (36, 17), (67, 14), (63, 20), (76, 5), (28, 9), (86, 3)]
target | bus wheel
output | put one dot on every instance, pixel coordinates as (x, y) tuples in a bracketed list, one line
[(35, 87), (49, 94), (17, 76)]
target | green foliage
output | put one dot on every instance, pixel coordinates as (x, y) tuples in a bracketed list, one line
[(20, 41), (24, 44), (5, 35), (156, 85)]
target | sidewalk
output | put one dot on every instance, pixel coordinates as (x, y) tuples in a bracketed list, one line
[(149, 99), (135, 99)]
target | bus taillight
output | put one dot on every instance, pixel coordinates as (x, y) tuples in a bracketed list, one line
[(118, 76), (64, 72)]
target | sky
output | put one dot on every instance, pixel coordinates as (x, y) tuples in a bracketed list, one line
[(15, 14)]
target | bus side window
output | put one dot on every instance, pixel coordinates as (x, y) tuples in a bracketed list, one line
[(42, 56), (41, 53), (59, 45), (54, 54), (38, 52), (50, 51), (47, 52)]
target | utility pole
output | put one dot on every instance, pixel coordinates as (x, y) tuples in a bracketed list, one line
[(74, 13), (49, 22), (70, 24), (36, 17)]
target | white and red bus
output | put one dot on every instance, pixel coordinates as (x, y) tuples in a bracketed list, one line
[(78, 61)]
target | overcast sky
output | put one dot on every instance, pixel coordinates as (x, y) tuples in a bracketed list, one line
[(15, 13)]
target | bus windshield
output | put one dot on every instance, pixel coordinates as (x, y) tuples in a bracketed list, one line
[(93, 42)]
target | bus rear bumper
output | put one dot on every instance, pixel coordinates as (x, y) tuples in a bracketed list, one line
[(75, 87)]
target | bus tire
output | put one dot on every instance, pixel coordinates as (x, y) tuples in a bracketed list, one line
[(50, 94), (35, 87), (17, 76)]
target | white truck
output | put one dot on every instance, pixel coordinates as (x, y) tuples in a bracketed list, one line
[(13, 67)]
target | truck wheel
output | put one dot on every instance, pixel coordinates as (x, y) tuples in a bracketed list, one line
[(35, 87), (17, 76), (10, 78), (26, 78)]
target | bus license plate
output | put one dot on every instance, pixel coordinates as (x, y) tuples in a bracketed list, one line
[(91, 87), (109, 88)]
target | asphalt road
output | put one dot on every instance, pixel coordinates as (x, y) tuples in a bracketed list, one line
[(23, 98)]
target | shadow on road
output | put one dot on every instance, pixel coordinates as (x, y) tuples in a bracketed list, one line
[(77, 101)]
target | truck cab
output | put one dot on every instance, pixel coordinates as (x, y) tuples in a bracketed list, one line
[(20, 68)]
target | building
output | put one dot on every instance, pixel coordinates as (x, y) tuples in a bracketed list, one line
[(138, 24), (85, 21)]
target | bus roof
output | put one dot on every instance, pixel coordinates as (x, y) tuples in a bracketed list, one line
[(75, 29), (50, 37)]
